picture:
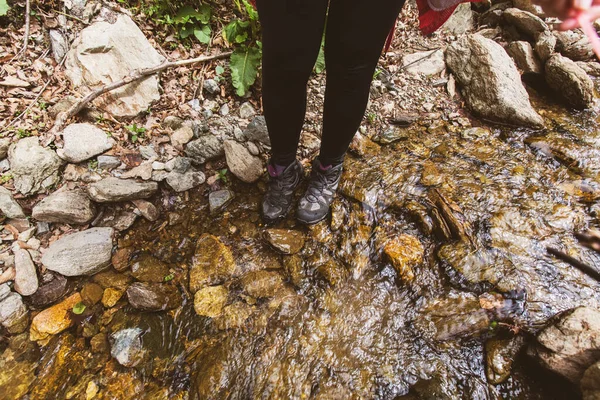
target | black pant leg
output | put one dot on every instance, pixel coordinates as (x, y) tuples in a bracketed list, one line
[(292, 32), (356, 34)]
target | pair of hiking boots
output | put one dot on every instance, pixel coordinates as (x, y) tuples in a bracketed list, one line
[(314, 204)]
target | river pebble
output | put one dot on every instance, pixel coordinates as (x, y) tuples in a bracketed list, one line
[(65, 206), (153, 296), (127, 347), (53, 320)]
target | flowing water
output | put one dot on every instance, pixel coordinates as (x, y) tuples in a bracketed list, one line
[(478, 207)]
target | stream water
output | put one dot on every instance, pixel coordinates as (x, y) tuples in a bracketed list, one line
[(344, 323)]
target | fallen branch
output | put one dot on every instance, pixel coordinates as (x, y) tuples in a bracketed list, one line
[(27, 29), (63, 117)]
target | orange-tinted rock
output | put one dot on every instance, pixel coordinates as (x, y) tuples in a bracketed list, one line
[(53, 320)]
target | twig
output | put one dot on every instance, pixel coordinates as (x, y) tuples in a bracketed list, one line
[(27, 23), (419, 60), (71, 16), (63, 117), (586, 269)]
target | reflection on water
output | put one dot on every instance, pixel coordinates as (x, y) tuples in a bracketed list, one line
[(436, 246)]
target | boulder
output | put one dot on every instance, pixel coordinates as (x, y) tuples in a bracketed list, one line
[(153, 296), (525, 58), (107, 52), (570, 81), (111, 190), (205, 148), (34, 168), (82, 253), (83, 141), (53, 320), (213, 263), (526, 22), (571, 345), (491, 83), (241, 163), (66, 207), (8, 204), (209, 301), (428, 63)]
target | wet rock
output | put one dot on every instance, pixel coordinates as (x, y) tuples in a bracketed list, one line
[(119, 219), (122, 46), (363, 146), (405, 252), (26, 279), (186, 181), (82, 253), (247, 111), (210, 301), (262, 283), (491, 83), (545, 44), (213, 263), (525, 58), (34, 167), (332, 272), (570, 81), (82, 142), (500, 355), (428, 63), (13, 313), (99, 343), (112, 279), (8, 204), (241, 163), (91, 294), (53, 288), (525, 22), (182, 135), (149, 269), (4, 145), (205, 148), (590, 383), (111, 297), (285, 240), (571, 345), (53, 320), (294, 267), (256, 131), (114, 189), (127, 347), (234, 315), (65, 206), (147, 209), (219, 199), (108, 162), (153, 296)]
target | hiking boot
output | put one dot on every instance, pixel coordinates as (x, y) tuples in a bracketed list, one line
[(282, 183), (314, 205)]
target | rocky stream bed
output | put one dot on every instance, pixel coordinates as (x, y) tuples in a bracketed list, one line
[(148, 273)]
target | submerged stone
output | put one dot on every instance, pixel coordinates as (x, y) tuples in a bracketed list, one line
[(286, 241), (127, 347), (149, 269), (262, 283), (405, 252), (213, 263), (235, 315), (153, 296), (500, 356), (209, 301)]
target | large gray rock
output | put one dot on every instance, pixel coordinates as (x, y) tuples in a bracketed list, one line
[(83, 141), (426, 63), (65, 206), (525, 58), (105, 53), (241, 163), (571, 345), (204, 148), (13, 313), (26, 279), (525, 22), (82, 253), (34, 167), (114, 189), (257, 131), (490, 80), (570, 81), (9, 206)]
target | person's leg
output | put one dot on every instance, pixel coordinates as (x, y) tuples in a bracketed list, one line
[(356, 34), (292, 32)]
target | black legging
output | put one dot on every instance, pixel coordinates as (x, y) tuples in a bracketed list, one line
[(292, 32)]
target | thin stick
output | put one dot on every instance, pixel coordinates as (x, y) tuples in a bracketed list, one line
[(27, 23), (586, 269), (63, 117)]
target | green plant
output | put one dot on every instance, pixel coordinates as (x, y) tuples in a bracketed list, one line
[(4, 7), (371, 118), (93, 165), (22, 133), (190, 21), (136, 132), (5, 178), (222, 175), (43, 105), (79, 308), (169, 277), (247, 53)]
